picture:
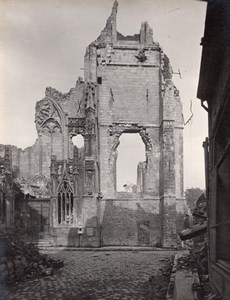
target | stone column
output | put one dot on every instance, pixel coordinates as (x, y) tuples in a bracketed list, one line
[(53, 192), (90, 204), (167, 185)]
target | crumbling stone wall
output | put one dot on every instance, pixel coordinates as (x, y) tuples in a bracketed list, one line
[(136, 95), (127, 88)]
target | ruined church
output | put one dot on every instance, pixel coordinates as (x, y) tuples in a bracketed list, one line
[(67, 195)]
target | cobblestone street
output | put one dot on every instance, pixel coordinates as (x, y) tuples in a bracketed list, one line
[(93, 275)]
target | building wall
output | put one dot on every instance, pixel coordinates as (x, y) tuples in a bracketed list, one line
[(213, 90), (127, 88), (136, 95), (131, 221)]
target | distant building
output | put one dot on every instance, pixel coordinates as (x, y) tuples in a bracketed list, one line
[(127, 88), (214, 92)]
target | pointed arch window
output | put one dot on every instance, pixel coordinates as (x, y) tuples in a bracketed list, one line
[(65, 204)]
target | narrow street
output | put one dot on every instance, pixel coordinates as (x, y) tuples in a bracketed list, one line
[(93, 275)]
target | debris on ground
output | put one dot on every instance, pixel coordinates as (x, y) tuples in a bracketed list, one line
[(212, 297), (158, 283), (19, 260), (197, 243)]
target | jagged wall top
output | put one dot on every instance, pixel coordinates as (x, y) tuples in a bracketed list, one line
[(110, 34)]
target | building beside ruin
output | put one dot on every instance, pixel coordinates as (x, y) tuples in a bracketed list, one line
[(214, 93), (127, 88)]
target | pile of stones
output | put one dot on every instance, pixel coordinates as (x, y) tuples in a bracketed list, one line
[(19, 260), (197, 259), (158, 283)]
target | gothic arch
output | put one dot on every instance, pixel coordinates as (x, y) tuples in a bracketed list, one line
[(65, 203), (118, 129), (60, 113)]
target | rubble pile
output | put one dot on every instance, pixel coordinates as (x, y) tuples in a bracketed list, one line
[(200, 254), (186, 262), (197, 260), (19, 260), (198, 248), (159, 283)]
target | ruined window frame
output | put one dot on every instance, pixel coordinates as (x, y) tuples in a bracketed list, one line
[(65, 204)]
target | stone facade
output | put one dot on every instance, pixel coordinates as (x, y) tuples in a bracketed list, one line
[(127, 88)]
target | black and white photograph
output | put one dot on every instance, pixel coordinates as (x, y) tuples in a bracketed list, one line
[(115, 150)]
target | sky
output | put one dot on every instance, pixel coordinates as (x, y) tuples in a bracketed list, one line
[(43, 42)]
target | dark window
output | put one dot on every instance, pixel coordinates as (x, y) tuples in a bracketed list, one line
[(65, 204), (99, 80)]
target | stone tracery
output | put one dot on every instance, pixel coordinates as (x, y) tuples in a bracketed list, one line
[(125, 91), (47, 117)]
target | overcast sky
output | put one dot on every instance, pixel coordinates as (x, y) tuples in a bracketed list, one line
[(43, 44)]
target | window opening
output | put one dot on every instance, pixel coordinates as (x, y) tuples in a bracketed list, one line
[(99, 80), (78, 141), (65, 204), (131, 151)]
